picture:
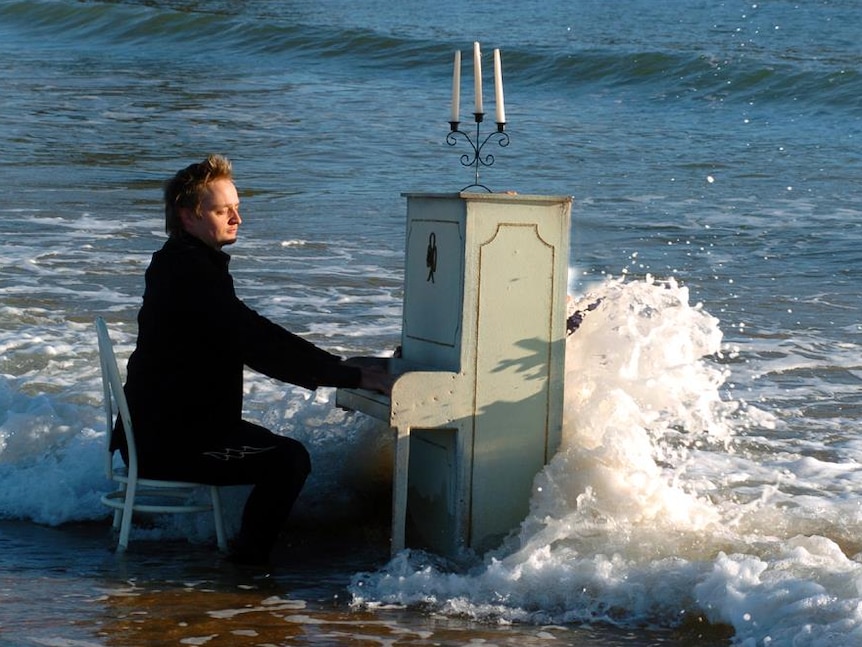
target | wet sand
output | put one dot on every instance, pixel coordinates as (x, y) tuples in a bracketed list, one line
[(65, 587)]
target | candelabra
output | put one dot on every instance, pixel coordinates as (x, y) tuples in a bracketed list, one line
[(477, 159)]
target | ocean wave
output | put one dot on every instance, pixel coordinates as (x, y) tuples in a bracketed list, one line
[(187, 29), (666, 75), (96, 23), (270, 37)]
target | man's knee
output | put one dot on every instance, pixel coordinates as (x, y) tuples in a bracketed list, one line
[(302, 460), (294, 458)]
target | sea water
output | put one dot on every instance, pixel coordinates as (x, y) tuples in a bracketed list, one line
[(707, 489)]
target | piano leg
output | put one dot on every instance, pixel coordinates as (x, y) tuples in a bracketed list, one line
[(399, 488)]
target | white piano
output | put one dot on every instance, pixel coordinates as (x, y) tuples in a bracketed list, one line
[(477, 409)]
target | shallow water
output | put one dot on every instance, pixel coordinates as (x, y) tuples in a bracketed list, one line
[(176, 593)]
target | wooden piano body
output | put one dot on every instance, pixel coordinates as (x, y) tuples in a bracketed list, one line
[(477, 406)]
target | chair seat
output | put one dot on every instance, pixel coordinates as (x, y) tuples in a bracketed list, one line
[(121, 475), (168, 493)]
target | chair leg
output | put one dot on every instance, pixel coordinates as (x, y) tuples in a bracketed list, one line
[(221, 539), (126, 524), (118, 514)]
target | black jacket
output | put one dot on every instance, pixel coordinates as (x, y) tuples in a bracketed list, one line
[(185, 377)]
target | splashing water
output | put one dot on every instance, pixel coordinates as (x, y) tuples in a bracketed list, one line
[(638, 395), (648, 515)]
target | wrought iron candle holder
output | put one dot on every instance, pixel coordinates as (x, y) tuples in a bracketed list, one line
[(478, 158)]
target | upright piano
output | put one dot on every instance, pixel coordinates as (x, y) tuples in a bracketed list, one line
[(476, 408)]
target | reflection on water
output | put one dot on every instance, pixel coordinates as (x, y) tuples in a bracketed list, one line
[(64, 586)]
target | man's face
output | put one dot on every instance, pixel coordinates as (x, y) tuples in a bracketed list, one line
[(219, 220)]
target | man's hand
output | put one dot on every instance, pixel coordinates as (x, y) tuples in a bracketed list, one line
[(374, 379), (374, 373)]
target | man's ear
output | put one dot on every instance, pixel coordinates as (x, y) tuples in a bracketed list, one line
[(187, 217)]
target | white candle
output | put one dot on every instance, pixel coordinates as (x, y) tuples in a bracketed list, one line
[(456, 88), (498, 88), (477, 71)]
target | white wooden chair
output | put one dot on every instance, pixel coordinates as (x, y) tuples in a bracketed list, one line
[(135, 494)]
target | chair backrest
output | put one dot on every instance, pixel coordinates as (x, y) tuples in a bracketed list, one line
[(112, 386)]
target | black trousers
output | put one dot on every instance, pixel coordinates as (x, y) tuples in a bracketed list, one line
[(275, 465)]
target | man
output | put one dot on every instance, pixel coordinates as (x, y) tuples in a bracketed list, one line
[(185, 377)]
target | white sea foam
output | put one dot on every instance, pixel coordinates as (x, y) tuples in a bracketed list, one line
[(654, 510)]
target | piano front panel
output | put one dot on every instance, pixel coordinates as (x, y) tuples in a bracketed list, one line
[(515, 332), (434, 292)]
